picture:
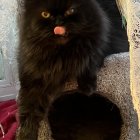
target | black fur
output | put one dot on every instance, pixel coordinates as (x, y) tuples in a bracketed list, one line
[(47, 61)]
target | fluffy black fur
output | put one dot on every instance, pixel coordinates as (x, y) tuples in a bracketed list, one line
[(47, 61)]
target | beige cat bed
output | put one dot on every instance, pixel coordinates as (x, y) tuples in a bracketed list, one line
[(113, 81)]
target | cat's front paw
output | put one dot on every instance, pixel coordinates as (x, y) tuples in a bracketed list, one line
[(87, 82), (87, 89)]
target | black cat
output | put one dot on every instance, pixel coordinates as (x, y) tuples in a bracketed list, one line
[(62, 40)]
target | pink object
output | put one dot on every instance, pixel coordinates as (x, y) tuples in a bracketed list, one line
[(59, 30), (8, 120)]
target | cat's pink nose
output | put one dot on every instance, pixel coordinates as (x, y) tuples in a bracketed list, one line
[(59, 30)]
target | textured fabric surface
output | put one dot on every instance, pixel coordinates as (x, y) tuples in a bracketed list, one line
[(113, 82), (131, 10)]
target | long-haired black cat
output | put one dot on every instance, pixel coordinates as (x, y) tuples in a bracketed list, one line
[(62, 40)]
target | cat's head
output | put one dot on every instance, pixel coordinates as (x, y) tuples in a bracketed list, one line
[(58, 21)]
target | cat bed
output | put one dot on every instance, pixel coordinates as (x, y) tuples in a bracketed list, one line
[(112, 101)]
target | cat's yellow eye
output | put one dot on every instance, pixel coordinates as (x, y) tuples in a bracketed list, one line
[(69, 12), (45, 14)]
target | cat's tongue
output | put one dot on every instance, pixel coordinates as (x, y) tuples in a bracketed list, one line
[(59, 30)]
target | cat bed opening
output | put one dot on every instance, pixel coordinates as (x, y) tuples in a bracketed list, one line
[(113, 85), (78, 117)]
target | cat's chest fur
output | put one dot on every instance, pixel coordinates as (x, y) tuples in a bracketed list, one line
[(66, 62)]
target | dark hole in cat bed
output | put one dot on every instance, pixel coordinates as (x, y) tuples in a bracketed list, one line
[(78, 117)]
